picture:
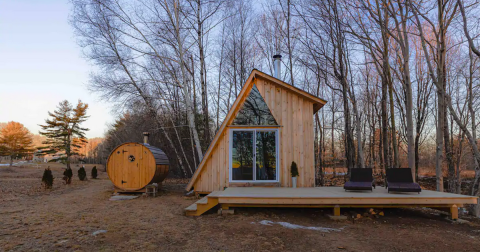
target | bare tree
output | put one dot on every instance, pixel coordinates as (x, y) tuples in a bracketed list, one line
[(129, 50), (327, 41)]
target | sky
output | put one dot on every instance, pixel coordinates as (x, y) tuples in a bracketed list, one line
[(41, 65)]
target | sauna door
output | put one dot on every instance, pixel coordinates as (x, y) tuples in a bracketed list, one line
[(132, 154)]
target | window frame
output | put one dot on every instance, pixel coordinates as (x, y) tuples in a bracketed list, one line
[(277, 155)]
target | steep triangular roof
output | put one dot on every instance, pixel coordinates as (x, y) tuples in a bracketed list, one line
[(317, 104)]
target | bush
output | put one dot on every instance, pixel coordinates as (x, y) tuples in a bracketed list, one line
[(94, 172), (294, 169), (67, 176), (82, 174), (47, 179)]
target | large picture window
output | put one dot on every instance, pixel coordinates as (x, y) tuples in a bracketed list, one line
[(253, 155)]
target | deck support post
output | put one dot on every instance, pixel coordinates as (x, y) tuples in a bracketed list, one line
[(225, 207), (336, 210), (454, 212)]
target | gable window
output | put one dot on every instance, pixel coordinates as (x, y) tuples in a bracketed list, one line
[(254, 155), (254, 111)]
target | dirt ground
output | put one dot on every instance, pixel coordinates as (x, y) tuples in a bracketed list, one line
[(65, 218)]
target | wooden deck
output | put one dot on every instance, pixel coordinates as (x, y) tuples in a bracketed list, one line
[(333, 197)]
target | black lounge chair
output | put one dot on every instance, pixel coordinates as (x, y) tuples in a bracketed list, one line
[(360, 179), (401, 180)]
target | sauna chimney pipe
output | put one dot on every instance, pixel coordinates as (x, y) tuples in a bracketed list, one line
[(145, 137), (277, 60)]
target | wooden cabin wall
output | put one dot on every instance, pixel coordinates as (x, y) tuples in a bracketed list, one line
[(295, 114), (296, 136)]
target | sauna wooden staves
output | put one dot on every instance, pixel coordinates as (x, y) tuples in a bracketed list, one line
[(132, 166)]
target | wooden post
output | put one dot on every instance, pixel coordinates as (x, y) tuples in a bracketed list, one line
[(225, 207), (454, 212), (336, 210)]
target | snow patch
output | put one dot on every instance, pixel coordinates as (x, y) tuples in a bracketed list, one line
[(99, 232), (123, 197), (295, 226)]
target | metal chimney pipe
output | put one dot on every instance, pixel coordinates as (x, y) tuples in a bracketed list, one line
[(145, 137), (277, 71)]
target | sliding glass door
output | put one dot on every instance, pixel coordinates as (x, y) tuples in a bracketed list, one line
[(242, 155), (253, 155)]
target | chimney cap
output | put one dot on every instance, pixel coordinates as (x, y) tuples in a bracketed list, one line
[(146, 134), (277, 56)]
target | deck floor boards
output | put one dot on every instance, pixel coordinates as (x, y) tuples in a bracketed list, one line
[(335, 195)]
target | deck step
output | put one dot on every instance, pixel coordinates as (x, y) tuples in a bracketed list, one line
[(203, 200), (201, 206), (192, 207)]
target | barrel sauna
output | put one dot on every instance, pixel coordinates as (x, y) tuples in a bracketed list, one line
[(132, 166)]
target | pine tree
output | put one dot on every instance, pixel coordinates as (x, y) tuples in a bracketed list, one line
[(82, 174), (63, 130), (47, 179), (94, 172), (67, 176), (15, 140)]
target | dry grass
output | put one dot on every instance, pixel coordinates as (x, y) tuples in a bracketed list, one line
[(7, 169), (64, 218)]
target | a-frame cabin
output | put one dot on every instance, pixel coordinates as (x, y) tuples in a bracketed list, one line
[(269, 125)]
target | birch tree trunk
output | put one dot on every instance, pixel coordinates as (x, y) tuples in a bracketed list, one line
[(289, 45), (222, 48), (203, 83), (405, 46), (358, 130), (473, 121), (393, 133), (386, 69), (186, 92)]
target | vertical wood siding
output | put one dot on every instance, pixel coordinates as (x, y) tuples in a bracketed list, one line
[(295, 115)]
